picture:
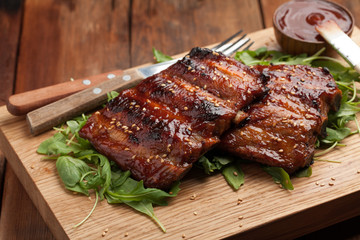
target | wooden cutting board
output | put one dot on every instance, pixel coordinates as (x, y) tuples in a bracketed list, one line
[(266, 211)]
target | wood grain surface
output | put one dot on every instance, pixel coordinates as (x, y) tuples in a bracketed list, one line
[(267, 210), (50, 41)]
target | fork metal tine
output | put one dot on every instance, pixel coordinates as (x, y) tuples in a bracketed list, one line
[(225, 47), (235, 46), (218, 47)]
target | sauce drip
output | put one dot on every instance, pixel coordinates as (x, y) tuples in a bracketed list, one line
[(298, 19)]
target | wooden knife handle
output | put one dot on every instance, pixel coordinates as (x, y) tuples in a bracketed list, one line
[(55, 113), (22, 103)]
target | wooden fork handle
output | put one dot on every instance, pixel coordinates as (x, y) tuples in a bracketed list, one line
[(55, 113), (22, 103)]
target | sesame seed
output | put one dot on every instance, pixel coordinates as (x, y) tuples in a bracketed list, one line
[(292, 93), (302, 80), (131, 107), (230, 85), (240, 225), (358, 171), (137, 106), (281, 150), (193, 70), (97, 112), (183, 236), (164, 155), (148, 160), (235, 173), (317, 183), (118, 124), (194, 79), (156, 108), (126, 234), (214, 78), (124, 127), (331, 184), (162, 160), (195, 213), (144, 109), (189, 68), (32, 166), (189, 128), (228, 101), (171, 89), (148, 101), (216, 105), (197, 87), (283, 87), (193, 197), (240, 217), (248, 91), (295, 146), (133, 157), (169, 81), (127, 149), (103, 234), (322, 184), (202, 67), (186, 108), (133, 103), (137, 128), (333, 178), (205, 87), (163, 85), (106, 230)]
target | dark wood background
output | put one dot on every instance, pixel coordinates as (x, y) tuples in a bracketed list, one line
[(43, 42)]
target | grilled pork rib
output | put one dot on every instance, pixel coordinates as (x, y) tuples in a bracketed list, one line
[(158, 129), (282, 129)]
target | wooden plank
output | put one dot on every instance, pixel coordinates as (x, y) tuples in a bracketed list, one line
[(10, 22), (177, 26), (19, 218), (216, 204), (71, 39)]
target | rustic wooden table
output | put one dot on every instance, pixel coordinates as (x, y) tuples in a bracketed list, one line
[(43, 42)]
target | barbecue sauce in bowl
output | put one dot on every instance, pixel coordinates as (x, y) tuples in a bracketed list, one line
[(295, 22)]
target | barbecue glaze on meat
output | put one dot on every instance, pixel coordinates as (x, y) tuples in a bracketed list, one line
[(282, 129), (158, 129)]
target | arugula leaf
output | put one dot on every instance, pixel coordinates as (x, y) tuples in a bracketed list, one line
[(111, 95), (280, 176), (306, 172), (233, 175), (71, 171), (160, 57)]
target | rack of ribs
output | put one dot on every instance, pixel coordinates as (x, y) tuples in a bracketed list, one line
[(158, 129), (281, 129)]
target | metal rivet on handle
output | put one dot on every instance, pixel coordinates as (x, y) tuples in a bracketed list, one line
[(126, 77), (97, 90), (86, 82), (111, 75)]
